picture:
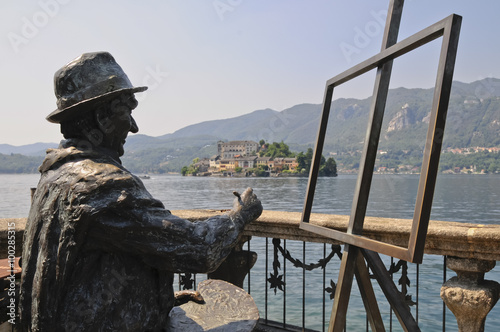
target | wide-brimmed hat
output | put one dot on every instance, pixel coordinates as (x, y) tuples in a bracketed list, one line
[(86, 80)]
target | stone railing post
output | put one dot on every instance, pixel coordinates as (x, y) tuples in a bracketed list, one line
[(468, 295)]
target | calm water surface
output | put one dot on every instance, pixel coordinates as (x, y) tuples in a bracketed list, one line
[(467, 198)]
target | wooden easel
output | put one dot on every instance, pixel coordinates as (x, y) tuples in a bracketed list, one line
[(360, 251)]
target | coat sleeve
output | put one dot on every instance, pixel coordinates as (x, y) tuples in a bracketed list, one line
[(137, 224)]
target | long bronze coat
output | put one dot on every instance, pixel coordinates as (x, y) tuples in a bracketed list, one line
[(99, 250)]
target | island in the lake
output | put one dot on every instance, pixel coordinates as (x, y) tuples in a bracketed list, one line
[(249, 158)]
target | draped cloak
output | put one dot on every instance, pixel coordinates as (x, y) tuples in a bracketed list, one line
[(100, 252)]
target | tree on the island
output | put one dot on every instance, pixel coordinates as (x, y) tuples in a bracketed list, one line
[(302, 162), (329, 169), (261, 171), (191, 169), (278, 150), (305, 160)]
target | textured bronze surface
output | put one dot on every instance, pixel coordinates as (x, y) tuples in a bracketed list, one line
[(227, 308), (99, 252)]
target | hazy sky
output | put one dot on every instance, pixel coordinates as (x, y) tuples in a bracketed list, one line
[(215, 59)]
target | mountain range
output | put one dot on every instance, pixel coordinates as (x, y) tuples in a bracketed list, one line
[(473, 120)]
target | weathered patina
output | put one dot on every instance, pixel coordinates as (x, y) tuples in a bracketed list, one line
[(99, 251)]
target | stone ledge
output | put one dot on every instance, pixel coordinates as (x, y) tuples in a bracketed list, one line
[(445, 238), (20, 224), (464, 240)]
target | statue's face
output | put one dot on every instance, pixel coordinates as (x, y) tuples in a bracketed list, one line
[(116, 126)]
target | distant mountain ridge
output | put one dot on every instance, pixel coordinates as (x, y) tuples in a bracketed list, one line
[(473, 120), (231, 127), (34, 149)]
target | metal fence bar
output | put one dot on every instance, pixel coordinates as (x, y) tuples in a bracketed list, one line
[(299, 323), (265, 278), (418, 293), (444, 305), (303, 286), (390, 310), (324, 287), (284, 288), (248, 264)]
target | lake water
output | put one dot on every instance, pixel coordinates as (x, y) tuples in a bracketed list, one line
[(463, 198)]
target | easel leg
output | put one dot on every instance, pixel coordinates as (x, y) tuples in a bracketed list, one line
[(368, 295), (343, 290), (354, 264), (401, 309)]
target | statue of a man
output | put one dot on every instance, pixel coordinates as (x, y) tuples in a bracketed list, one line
[(99, 251)]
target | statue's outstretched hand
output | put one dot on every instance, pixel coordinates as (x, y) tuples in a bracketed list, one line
[(184, 296), (246, 205)]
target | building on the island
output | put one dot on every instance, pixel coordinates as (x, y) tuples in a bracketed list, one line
[(218, 164), (270, 164), (228, 150), (202, 165), (280, 164), (243, 154), (246, 161), (263, 161), (291, 163), (225, 165), (214, 163)]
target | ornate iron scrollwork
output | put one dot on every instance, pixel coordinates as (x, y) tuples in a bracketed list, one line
[(276, 280), (331, 290), (404, 281), (186, 280)]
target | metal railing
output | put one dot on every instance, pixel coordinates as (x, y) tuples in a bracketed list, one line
[(293, 283), (294, 278), (305, 277)]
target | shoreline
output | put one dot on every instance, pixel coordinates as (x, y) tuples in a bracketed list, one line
[(447, 172)]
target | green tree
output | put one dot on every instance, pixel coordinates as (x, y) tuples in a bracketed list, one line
[(493, 168), (278, 150), (191, 169), (260, 171), (330, 168), (308, 159), (302, 161)]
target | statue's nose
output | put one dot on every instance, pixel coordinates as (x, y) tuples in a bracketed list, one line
[(133, 126)]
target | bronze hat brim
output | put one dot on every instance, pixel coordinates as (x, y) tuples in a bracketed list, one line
[(61, 115)]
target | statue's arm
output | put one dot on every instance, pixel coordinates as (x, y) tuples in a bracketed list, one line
[(171, 243)]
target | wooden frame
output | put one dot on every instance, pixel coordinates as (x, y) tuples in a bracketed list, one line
[(448, 29)]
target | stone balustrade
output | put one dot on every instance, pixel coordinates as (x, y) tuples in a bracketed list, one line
[(472, 250)]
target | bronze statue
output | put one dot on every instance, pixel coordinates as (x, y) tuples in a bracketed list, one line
[(99, 251)]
